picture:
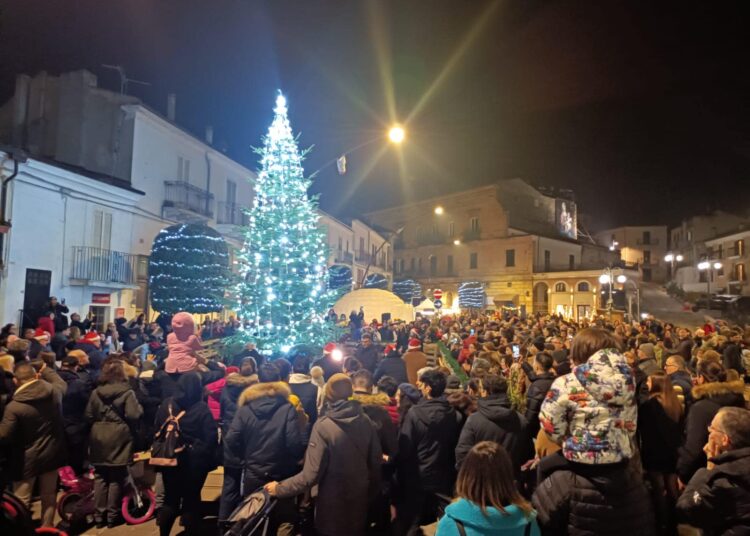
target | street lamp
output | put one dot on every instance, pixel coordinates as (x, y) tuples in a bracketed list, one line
[(613, 245), (456, 242), (672, 258), (439, 210), (607, 278), (396, 134), (709, 267)]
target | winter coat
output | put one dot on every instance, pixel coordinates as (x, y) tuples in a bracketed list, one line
[(708, 398), (61, 320), (82, 325), (113, 412), (308, 393), (649, 366), (392, 408), (494, 523), (47, 324), (265, 435), (683, 386), (33, 427), (183, 344), (329, 366), (74, 404), (234, 385), (369, 356), (415, 360), (592, 411), (684, 348), (395, 367), (732, 358), (343, 458), (427, 445), (718, 500), (375, 407), (495, 421), (535, 395), (96, 358), (214, 390), (594, 500), (660, 437)]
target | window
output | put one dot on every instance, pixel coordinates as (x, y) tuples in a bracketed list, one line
[(547, 260), (374, 249), (231, 192), (412, 264), (434, 230), (646, 237), (401, 266), (561, 287), (739, 247), (347, 246), (419, 264), (473, 261), (474, 224), (451, 229), (739, 272), (433, 265), (361, 247), (183, 169), (101, 230), (583, 286), (690, 236), (571, 262), (646, 256), (449, 264), (341, 243), (510, 257)]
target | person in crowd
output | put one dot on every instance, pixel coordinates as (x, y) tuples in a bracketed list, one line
[(682, 381), (732, 354), (266, 436), (356, 320), (660, 421), (183, 345), (375, 406), (392, 365), (647, 359), (351, 365), (213, 391), (717, 498), (343, 459), (133, 340), (711, 393), (487, 500), (426, 461), (331, 362), (32, 426), (301, 384), (91, 344), (495, 421), (389, 386), (368, 353), (112, 411), (82, 325), (407, 397), (541, 375), (684, 346), (60, 310), (183, 483), (74, 404), (415, 360)]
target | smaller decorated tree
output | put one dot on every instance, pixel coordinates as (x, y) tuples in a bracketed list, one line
[(188, 269)]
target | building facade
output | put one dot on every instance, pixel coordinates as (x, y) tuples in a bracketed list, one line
[(641, 247), (732, 251)]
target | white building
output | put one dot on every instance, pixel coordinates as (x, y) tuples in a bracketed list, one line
[(642, 247)]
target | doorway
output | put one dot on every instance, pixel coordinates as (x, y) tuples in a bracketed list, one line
[(540, 302), (35, 296), (98, 317), (583, 311)]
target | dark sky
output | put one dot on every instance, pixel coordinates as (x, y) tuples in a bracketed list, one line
[(641, 107)]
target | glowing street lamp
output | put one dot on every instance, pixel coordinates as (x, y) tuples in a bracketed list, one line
[(672, 258), (709, 267), (396, 134), (456, 242), (439, 210)]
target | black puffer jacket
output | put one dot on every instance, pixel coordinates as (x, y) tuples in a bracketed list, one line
[(660, 437), (302, 386), (718, 500), (74, 405), (393, 366), (369, 356), (376, 408), (540, 384), (114, 411), (595, 500), (426, 446), (708, 398), (495, 421), (266, 435)]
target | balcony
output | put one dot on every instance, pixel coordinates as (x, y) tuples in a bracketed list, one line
[(187, 203), (232, 214), (735, 252), (99, 267), (363, 258), (649, 242), (342, 257), (472, 234)]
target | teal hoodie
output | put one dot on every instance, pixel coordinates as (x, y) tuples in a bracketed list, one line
[(495, 523)]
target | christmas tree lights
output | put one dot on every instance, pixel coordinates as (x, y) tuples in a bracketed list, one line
[(340, 277), (283, 292), (471, 295), (188, 269)]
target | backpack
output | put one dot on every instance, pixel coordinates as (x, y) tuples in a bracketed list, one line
[(168, 441)]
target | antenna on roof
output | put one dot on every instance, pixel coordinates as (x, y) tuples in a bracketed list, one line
[(124, 80)]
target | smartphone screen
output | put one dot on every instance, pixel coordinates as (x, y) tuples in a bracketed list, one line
[(516, 350), (472, 332)]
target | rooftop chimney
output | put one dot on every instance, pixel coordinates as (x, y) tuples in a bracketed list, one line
[(171, 106), (209, 135)]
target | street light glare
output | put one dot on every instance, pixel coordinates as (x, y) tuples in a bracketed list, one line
[(669, 257), (439, 210), (604, 279), (679, 258), (396, 134), (621, 279), (704, 265), (717, 266), (456, 242)]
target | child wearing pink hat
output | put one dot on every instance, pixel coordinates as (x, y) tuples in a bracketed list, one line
[(183, 344)]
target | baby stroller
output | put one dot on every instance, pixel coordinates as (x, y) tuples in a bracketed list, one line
[(252, 516)]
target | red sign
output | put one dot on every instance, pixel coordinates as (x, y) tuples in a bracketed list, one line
[(437, 294), (100, 298)]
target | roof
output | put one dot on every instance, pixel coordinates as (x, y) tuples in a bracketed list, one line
[(737, 232)]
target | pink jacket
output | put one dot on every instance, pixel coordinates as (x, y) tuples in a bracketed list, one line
[(182, 344), (214, 390)]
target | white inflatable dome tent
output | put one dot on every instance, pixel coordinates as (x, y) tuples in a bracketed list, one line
[(375, 302)]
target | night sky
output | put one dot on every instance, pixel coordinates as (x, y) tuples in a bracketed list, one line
[(641, 107)]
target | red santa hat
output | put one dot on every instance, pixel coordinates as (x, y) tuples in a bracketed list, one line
[(389, 348), (92, 336), (328, 348), (415, 344), (41, 334)]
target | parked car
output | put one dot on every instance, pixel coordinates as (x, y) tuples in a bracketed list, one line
[(718, 302)]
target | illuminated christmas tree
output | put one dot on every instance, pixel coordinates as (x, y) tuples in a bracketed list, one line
[(283, 291)]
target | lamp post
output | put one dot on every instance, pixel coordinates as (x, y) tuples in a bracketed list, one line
[(608, 279), (672, 258), (709, 267)]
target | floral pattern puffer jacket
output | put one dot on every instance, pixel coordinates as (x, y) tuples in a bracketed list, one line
[(592, 412)]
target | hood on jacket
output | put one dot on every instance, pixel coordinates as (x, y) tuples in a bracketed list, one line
[(111, 391), (718, 389), (183, 326), (367, 399), (130, 370), (471, 516), (432, 410), (495, 408), (607, 377), (297, 377), (264, 390), (344, 412), (235, 379), (38, 390), (189, 390)]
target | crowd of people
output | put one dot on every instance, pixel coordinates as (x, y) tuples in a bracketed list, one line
[(478, 424)]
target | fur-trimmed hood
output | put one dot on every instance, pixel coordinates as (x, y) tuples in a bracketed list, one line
[(379, 399), (715, 389), (260, 390), (238, 380), (130, 370)]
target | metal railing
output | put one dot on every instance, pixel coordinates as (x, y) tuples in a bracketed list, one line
[(363, 257), (232, 214), (104, 265), (181, 194), (342, 256)]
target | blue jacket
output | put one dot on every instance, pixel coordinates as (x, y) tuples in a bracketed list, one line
[(495, 523)]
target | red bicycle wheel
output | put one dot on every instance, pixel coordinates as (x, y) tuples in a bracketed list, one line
[(134, 514), (68, 503)]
